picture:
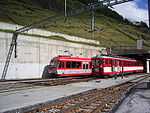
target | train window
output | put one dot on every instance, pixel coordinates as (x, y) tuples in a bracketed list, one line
[(101, 61), (124, 63), (74, 64), (61, 64), (71, 64), (127, 63), (85, 66), (112, 62), (97, 62), (120, 63), (93, 62), (78, 64), (68, 64), (106, 61), (53, 63)]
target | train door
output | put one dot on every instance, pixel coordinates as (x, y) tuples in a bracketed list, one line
[(61, 67), (113, 65), (85, 67), (118, 67)]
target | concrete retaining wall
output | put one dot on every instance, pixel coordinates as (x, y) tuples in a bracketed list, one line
[(4, 25), (34, 53)]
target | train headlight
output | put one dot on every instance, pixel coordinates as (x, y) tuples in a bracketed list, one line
[(50, 71)]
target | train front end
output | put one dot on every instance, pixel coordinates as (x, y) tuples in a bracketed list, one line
[(53, 67), (69, 66)]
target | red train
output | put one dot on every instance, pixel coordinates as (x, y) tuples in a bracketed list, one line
[(70, 66), (99, 66), (105, 65)]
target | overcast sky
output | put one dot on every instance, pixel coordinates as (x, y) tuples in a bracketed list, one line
[(135, 10)]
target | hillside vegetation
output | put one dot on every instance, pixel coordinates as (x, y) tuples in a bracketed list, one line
[(110, 28)]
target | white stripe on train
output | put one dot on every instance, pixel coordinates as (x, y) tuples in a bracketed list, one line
[(74, 71)]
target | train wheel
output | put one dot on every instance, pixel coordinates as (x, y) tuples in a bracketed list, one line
[(98, 75)]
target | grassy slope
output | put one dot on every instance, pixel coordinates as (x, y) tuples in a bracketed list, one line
[(109, 32)]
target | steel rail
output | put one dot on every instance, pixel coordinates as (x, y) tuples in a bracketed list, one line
[(98, 97), (94, 102), (22, 85)]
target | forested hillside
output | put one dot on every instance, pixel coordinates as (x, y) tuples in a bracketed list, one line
[(111, 29)]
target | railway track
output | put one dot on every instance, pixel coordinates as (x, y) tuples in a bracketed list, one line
[(97, 101), (16, 85)]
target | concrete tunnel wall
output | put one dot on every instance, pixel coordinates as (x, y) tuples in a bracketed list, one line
[(34, 53)]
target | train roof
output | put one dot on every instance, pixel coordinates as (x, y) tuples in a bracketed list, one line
[(71, 58), (113, 57)]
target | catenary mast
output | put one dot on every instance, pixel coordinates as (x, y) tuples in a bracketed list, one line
[(149, 14)]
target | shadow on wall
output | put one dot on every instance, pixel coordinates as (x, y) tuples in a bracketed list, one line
[(45, 72)]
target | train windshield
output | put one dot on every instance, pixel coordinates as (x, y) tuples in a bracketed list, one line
[(53, 63)]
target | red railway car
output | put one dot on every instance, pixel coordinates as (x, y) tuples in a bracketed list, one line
[(105, 65), (69, 66)]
